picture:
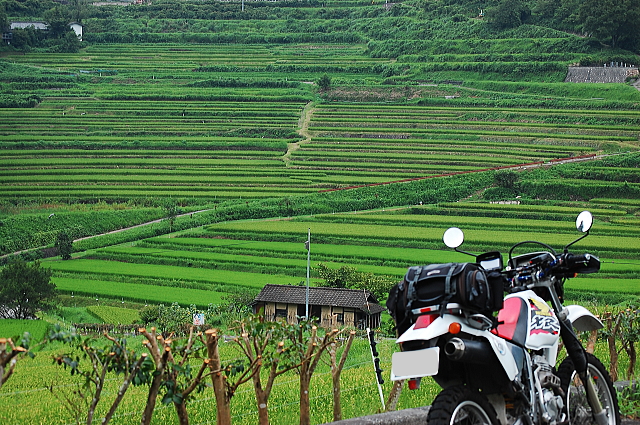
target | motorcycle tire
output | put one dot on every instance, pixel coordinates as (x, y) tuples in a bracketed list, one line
[(461, 405), (576, 404)]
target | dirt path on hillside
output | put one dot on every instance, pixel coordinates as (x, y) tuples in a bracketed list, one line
[(303, 131)]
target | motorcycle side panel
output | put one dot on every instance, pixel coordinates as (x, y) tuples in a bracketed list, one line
[(527, 320), (513, 320)]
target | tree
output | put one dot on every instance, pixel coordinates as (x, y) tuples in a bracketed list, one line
[(64, 243), (336, 370), (173, 372), (324, 83), (266, 346), (25, 289), (349, 277), (506, 179), (508, 14), (613, 21), (113, 357), (4, 22), (171, 211)]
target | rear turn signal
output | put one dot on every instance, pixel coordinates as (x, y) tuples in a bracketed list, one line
[(455, 328)]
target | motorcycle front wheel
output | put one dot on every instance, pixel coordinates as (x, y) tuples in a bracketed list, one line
[(577, 405), (461, 405)]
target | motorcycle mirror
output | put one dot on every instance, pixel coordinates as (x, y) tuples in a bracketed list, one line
[(584, 221), (583, 224), (453, 237)]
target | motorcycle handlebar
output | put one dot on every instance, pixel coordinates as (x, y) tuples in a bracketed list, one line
[(582, 263), (543, 265)]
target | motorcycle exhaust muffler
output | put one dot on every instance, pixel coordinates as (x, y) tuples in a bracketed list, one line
[(468, 351)]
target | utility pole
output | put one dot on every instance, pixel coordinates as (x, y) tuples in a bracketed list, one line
[(307, 245)]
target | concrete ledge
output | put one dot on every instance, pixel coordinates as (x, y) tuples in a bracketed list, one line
[(401, 417), (413, 416)]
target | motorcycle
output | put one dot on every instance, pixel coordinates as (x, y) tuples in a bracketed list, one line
[(501, 368)]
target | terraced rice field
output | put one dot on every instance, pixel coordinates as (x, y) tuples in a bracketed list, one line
[(205, 124)]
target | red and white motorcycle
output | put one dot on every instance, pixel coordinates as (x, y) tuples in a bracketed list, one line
[(501, 368)]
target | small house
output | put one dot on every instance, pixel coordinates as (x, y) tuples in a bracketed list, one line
[(77, 28), (332, 307)]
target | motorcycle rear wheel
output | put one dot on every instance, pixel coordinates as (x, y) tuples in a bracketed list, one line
[(461, 405), (577, 406)]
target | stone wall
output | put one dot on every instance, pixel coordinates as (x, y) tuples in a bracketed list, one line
[(597, 74)]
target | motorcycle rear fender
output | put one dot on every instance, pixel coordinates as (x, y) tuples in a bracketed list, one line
[(582, 319), (440, 326)]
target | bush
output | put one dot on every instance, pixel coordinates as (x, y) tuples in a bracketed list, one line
[(149, 314)]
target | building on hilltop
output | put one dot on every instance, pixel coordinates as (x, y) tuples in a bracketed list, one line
[(24, 25), (7, 34), (331, 306)]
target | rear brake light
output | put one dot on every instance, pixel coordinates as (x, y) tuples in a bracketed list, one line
[(425, 320), (414, 383)]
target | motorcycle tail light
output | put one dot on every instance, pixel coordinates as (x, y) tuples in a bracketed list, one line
[(455, 328), (414, 383), (425, 320)]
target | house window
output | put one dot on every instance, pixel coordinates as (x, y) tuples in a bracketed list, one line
[(281, 310), (340, 318)]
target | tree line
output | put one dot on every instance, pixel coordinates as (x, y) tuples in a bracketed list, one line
[(608, 21)]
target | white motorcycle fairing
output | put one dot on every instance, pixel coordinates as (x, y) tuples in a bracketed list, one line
[(419, 363), (582, 319)]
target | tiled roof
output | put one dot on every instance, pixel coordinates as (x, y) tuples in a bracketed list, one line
[(23, 25), (336, 297)]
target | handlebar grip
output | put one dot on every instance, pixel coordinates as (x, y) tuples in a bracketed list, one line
[(582, 263)]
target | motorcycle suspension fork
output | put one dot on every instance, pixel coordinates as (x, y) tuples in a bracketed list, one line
[(578, 356)]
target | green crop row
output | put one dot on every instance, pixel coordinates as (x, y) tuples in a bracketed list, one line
[(542, 209), (434, 142), (84, 153), (475, 222), (423, 121), (141, 162), (568, 136), (114, 315), (361, 254), (15, 328), (629, 286), (375, 108), (363, 257), (617, 201), (106, 268), (60, 176), (412, 236), (472, 156), (136, 292), (581, 189), (265, 264)]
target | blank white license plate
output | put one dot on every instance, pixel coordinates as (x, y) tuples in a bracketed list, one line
[(415, 364)]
